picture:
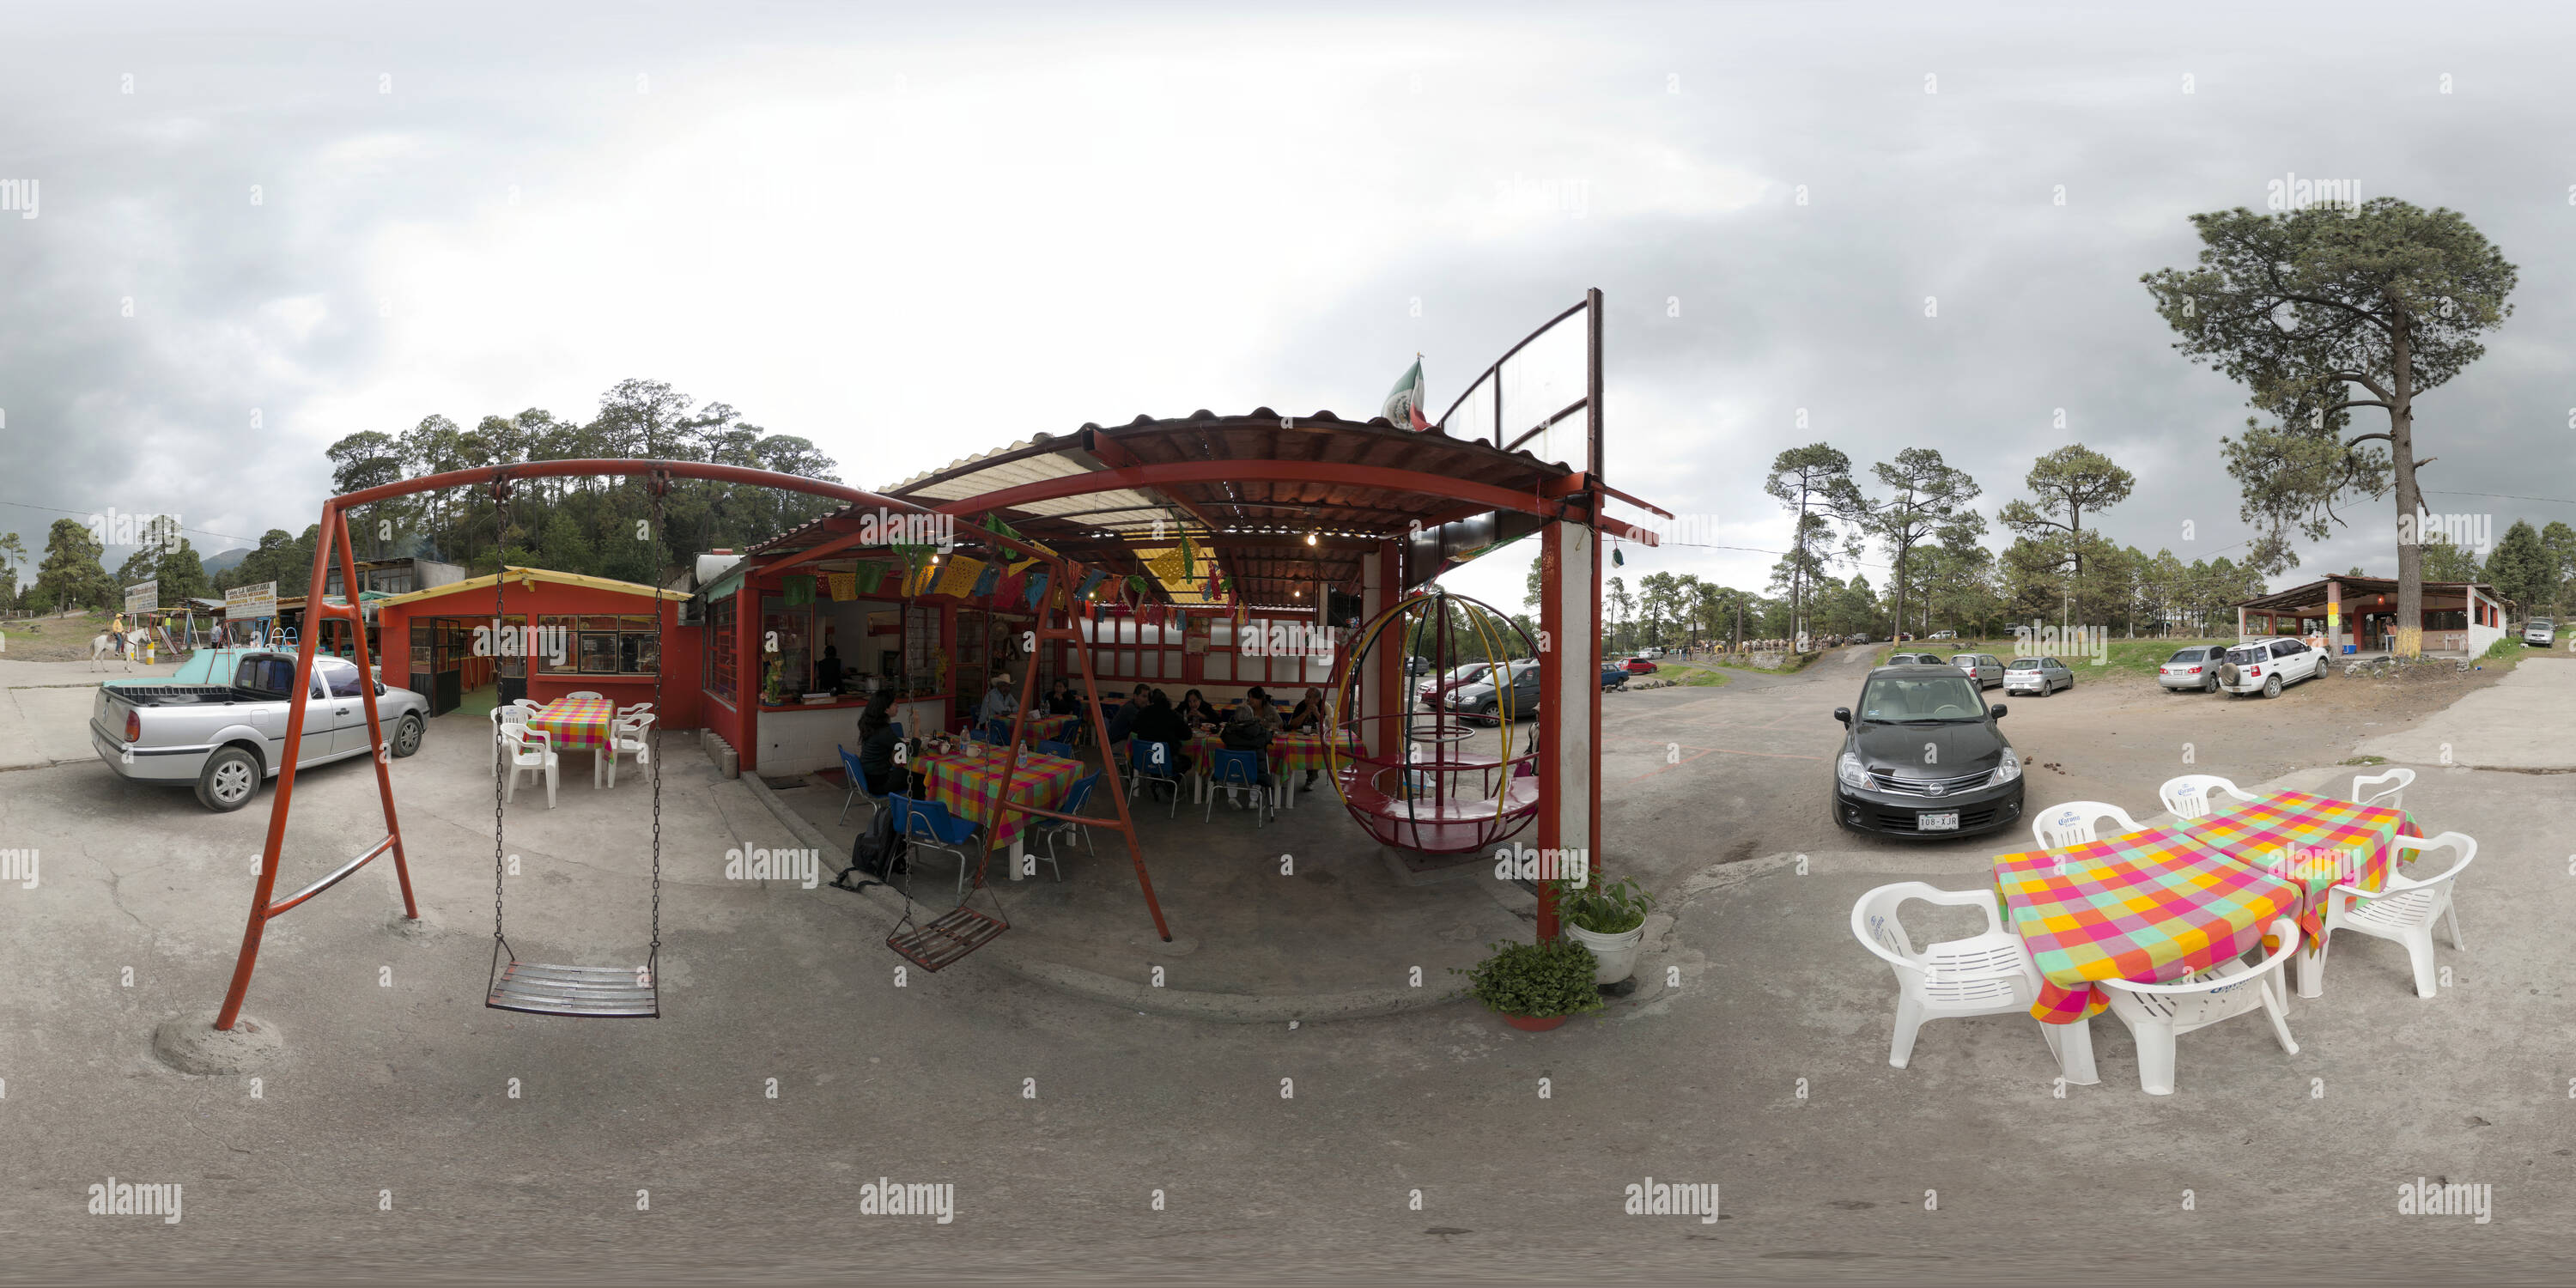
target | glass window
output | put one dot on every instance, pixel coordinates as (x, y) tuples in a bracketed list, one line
[(1217, 666), (638, 653), (341, 676), (598, 652), (601, 622), (556, 650)]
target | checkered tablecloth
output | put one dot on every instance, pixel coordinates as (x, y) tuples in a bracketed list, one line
[(1052, 728), (2315, 842), (1288, 752), (576, 724), (2152, 907), (966, 785)]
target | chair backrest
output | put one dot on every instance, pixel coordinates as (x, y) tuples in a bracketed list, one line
[(2386, 790), (1874, 921), (1053, 748), (528, 704), (1235, 766), (635, 724), (2458, 843), (524, 741), (509, 716), (638, 709), (932, 821), (1151, 759), (1077, 796), (2073, 823), (2194, 795), (585, 693)]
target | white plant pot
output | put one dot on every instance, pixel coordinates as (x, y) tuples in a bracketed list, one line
[(1617, 954)]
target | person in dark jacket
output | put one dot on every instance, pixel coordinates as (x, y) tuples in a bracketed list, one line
[(1196, 711), (877, 741), (1159, 723), (1059, 699), (1122, 724)]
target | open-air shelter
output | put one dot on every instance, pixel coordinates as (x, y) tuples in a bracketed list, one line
[(2359, 615)]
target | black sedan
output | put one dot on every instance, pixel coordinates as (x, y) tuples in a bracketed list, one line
[(1924, 758)]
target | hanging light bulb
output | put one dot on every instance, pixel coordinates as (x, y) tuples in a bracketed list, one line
[(1310, 537)]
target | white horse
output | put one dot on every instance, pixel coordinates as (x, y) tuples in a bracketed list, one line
[(103, 646)]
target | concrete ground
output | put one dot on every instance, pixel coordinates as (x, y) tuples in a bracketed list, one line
[(2527, 721), (386, 1140)]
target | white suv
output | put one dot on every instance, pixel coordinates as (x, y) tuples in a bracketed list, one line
[(2266, 666), (2541, 631)]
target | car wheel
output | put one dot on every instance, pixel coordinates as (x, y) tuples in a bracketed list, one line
[(2272, 687), (1490, 714), (407, 734), (2209, 685), (229, 780)]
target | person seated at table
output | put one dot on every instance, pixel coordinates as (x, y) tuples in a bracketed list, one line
[(1309, 715), (827, 670), (998, 702), (1158, 722), (1059, 698), (1122, 723), (1195, 709), (1257, 708), (877, 741)]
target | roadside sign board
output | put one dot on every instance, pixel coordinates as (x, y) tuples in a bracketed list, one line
[(245, 603), (143, 597)]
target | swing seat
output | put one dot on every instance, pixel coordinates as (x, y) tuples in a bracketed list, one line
[(592, 992), (960, 931)]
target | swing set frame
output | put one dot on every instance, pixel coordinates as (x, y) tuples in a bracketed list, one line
[(333, 542)]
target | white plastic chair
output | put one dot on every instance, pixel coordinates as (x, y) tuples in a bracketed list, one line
[(2060, 826), (2194, 795), (585, 693), (2369, 792), (2156, 1014), (1987, 974), (636, 710), (505, 717), (2404, 912), (531, 752), (628, 735)]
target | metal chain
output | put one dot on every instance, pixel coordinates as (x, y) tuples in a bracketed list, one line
[(655, 485), (500, 593)]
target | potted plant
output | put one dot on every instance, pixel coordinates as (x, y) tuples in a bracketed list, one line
[(1535, 986), (1608, 918)]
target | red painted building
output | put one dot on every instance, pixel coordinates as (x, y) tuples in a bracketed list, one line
[(588, 633)]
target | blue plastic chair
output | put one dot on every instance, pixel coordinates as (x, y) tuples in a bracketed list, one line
[(1075, 798), (1154, 762), (858, 786), (929, 825), (1233, 770), (1053, 748)]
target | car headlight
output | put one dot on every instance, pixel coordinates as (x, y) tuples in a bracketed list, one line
[(2004, 773), (1849, 771)]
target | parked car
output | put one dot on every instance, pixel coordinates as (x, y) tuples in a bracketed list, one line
[(1917, 659), (1416, 664), (2541, 631), (1924, 757), (1639, 666), (1944, 635), (1485, 701), (1431, 689), (2195, 667), (1859, 638), (224, 738), (1986, 667), (1613, 676), (2039, 675), (1650, 651), (2267, 666)]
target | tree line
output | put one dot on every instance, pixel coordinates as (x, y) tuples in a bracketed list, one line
[(589, 525)]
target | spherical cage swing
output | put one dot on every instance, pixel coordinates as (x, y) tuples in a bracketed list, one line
[(1415, 795)]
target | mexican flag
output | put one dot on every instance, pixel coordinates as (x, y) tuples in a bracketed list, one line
[(1404, 402)]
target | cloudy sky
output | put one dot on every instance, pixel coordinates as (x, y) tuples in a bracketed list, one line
[(912, 233)]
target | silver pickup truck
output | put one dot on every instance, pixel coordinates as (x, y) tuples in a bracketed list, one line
[(224, 738)]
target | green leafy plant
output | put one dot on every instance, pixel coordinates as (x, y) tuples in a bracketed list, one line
[(1605, 908), (1535, 980)]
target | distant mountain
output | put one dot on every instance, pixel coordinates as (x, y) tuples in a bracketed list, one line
[(217, 563)]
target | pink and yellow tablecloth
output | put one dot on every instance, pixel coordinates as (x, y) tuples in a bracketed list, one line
[(967, 786), (2315, 842), (576, 724), (1052, 728), (2152, 906)]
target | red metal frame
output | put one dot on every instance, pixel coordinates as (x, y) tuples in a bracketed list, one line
[(334, 539)]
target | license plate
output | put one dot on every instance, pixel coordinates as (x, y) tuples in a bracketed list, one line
[(1937, 822)]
